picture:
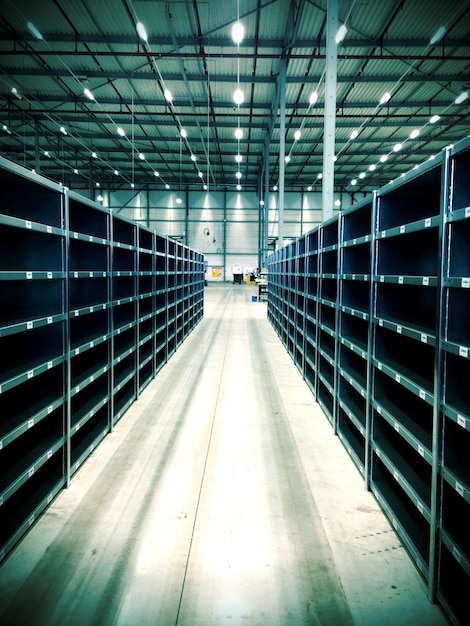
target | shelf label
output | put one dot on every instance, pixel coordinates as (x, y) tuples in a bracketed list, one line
[(394, 523), (422, 394), (364, 316), (420, 506), (421, 451), (90, 274), (456, 554), (399, 329), (384, 232), (92, 378), (1, 448), (395, 475), (29, 275), (49, 498), (379, 365), (426, 281), (77, 351), (461, 421), (354, 241), (465, 283), (397, 378), (76, 313), (400, 280), (49, 454), (30, 423), (427, 222), (402, 229), (75, 274), (30, 472), (381, 322), (467, 212), (77, 389), (28, 224), (379, 410), (49, 275), (50, 409), (29, 325), (354, 276), (460, 489), (382, 279), (75, 235), (31, 520), (424, 338), (91, 344), (30, 374), (463, 351), (77, 427), (363, 355), (396, 426), (90, 238)]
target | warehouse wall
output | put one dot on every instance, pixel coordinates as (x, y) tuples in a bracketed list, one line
[(223, 225)]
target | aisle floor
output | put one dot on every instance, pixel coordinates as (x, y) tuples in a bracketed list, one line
[(221, 497)]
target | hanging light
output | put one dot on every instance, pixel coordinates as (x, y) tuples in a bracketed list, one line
[(434, 119), (372, 167), (287, 159), (88, 94), (120, 131), (239, 133), (397, 147), (238, 96), (141, 156), (94, 155), (193, 157), (438, 35), (63, 130), (341, 34), (184, 134), (34, 31), (414, 133), (116, 172), (384, 158), (16, 93), (238, 158), (168, 95), (313, 98), (239, 187), (238, 175), (354, 134), (385, 98), (156, 173), (463, 96), (297, 135), (167, 186)]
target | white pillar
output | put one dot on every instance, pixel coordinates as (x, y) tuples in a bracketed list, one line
[(330, 111)]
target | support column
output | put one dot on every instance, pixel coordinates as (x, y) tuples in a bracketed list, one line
[(282, 149), (330, 111), (37, 159)]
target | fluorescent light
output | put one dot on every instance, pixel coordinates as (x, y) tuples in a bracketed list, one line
[(167, 186), (239, 133), (238, 158), (275, 188), (120, 131), (309, 188), (94, 155), (313, 98), (239, 187), (141, 156), (168, 95), (200, 174), (397, 147), (88, 94), (438, 35), (362, 175), (140, 28), (32, 28), (341, 34), (16, 93), (354, 134), (184, 134), (372, 167), (287, 159), (75, 171), (179, 201), (463, 96), (238, 96), (385, 98), (116, 172), (384, 158), (434, 119), (414, 133), (320, 175), (238, 32), (238, 175), (297, 135), (63, 130), (193, 157), (97, 184), (354, 182), (156, 173)]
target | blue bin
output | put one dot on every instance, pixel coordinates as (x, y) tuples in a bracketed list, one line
[(254, 298)]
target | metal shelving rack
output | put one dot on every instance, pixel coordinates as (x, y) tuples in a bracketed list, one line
[(92, 305), (385, 350)]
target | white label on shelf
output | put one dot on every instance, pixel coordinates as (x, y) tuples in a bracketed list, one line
[(92, 343), (30, 472), (467, 212), (426, 280), (463, 351), (1, 448), (424, 338), (367, 238), (402, 228), (30, 374), (49, 320), (395, 524), (400, 280), (92, 378), (49, 454), (460, 489), (29, 275), (28, 224), (379, 365), (354, 241), (91, 309), (381, 322), (362, 393), (77, 427), (422, 394), (363, 355), (29, 325), (421, 451), (384, 233), (75, 235), (427, 222), (77, 389), (395, 475), (456, 554), (90, 238), (49, 275), (382, 279), (50, 409), (396, 426), (77, 351), (104, 337), (420, 506), (461, 421), (49, 229), (354, 276), (90, 274), (399, 329), (31, 520), (75, 274), (466, 282), (119, 359), (118, 244), (49, 498), (30, 423), (76, 313), (397, 378), (378, 453), (379, 410), (119, 303), (364, 316)]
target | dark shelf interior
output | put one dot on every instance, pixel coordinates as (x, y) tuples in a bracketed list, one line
[(409, 305), (412, 254)]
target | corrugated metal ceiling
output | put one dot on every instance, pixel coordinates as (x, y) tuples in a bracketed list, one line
[(94, 45)]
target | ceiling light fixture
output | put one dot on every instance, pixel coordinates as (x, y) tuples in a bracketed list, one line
[(63, 130), (167, 186), (141, 156), (16, 93), (362, 175), (463, 96), (239, 187), (184, 134), (120, 131), (116, 172), (434, 119), (414, 133), (140, 28), (238, 175), (193, 157), (239, 133), (34, 31), (438, 35), (156, 173), (309, 188), (354, 181), (372, 167), (354, 134), (297, 135), (287, 159), (94, 155), (238, 32), (397, 147), (168, 95), (238, 96), (385, 98), (384, 158), (313, 98), (238, 158), (341, 34), (88, 94)]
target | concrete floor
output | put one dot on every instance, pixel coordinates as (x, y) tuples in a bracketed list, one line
[(222, 497)]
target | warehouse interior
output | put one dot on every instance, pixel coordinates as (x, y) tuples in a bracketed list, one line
[(234, 284)]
